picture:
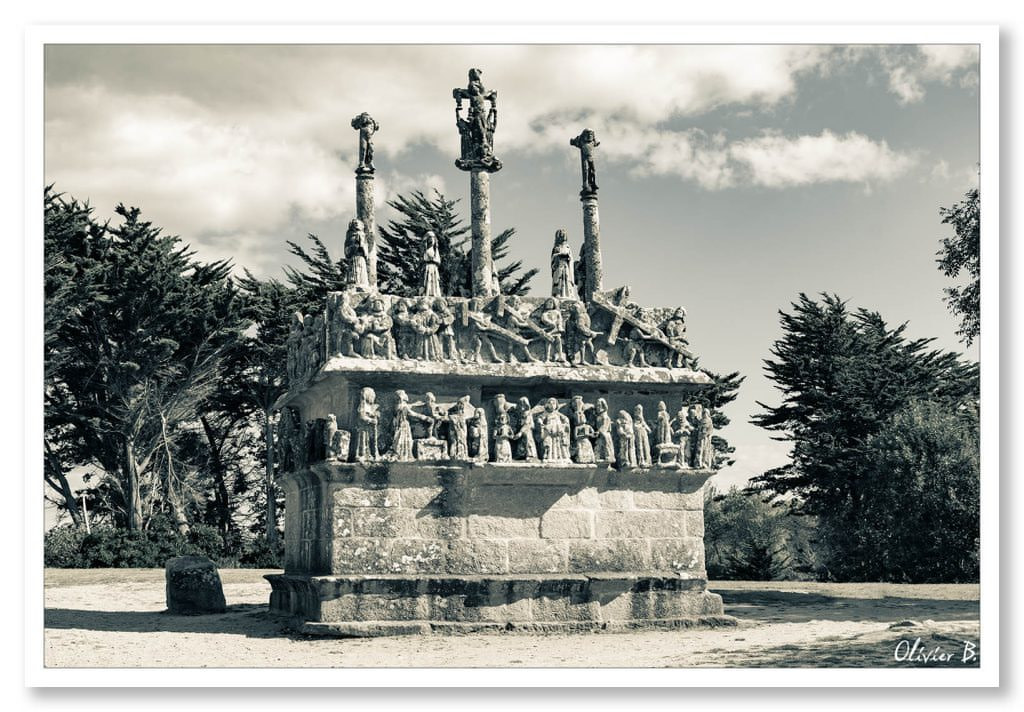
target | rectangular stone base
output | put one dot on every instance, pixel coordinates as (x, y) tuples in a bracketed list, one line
[(402, 605)]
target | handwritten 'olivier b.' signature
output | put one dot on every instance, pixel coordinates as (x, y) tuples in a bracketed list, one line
[(914, 652)]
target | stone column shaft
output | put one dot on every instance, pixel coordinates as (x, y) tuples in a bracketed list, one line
[(365, 212), (480, 207), (592, 242)]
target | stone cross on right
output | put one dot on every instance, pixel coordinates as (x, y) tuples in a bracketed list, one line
[(590, 256)]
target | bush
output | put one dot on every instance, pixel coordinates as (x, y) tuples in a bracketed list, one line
[(66, 547), (62, 548)]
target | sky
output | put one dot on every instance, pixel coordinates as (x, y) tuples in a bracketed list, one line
[(732, 177)]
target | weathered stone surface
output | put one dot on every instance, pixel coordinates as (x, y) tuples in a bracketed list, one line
[(615, 499), (361, 555), (389, 522), (608, 555), (364, 497), (639, 524), (436, 526), (695, 524), (493, 527), (567, 524), (342, 522), (193, 586), (669, 500), (677, 554), (531, 557), (419, 497), (585, 498), (477, 556), (418, 556)]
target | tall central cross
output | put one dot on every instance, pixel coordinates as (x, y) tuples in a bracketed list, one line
[(476, 131)]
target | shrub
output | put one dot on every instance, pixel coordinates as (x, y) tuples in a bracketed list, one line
[(62, 547)]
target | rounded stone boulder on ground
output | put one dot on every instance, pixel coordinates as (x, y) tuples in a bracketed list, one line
[(193, 586)]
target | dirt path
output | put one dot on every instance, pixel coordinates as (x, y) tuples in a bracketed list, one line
[(114, 618)]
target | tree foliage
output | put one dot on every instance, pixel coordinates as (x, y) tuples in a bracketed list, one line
[(844, 375), (962, 253), (400, 249)]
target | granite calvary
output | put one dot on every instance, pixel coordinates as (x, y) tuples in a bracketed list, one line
[(458, 463)]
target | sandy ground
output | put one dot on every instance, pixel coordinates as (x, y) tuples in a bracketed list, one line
[(115, 618)]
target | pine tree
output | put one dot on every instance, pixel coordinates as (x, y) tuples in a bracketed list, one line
[(964, 253), (400, 249)]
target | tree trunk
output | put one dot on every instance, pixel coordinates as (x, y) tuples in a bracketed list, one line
[(133, 503), (56, 478), (222, 499), (268, 432), (173, 497)]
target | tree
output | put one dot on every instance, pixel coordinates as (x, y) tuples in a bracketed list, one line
[(400, 249), (132, 352), (921, 523), (843, 376), (959, 253)]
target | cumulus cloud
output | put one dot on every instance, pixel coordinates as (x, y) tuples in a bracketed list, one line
[(235, 141), (910, 69)]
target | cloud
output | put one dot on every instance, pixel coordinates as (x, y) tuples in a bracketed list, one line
[(910, 69)]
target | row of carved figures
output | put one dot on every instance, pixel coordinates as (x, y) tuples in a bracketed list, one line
[(588, 434), (426, 328)]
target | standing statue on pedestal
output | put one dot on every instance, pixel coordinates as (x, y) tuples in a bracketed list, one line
[(587, 143), (476, 130), (478, 437), (706, 450), (642, 437), (294, 343), (431, 266), (580, 335), (526, 446), (563, 284), (551, 318), (367, 418), (355, 253), (401, 443), (367, 127), (681, 431), (554, 432), (604, 448), (502, 436), (626, 435)]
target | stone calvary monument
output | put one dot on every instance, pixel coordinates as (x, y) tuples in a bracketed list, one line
[(491, 462)]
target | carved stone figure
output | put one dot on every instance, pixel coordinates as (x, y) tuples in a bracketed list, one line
[(563, 283), (404, 331), (495, 280), (355, 253), (587, 143), (604, 448), (479, 444), (366, 126), (314, 343), (675, 330), (502, 436), (346, 327), (367, 419), (663, 426), (377, 340), (425, 327), (681, 430), (431, 284), (481, 330), (626, 436), (458, 437), (695, 418), (706, 456), (580, 335), (554, 432), (634, 348), (432, 416), (477, 128), (449, 350), (402, 441), (330, 438), (553, 321), (499, 406), (285, 436), (526, 446), (642, 437), (582, 450), (516, 322)]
